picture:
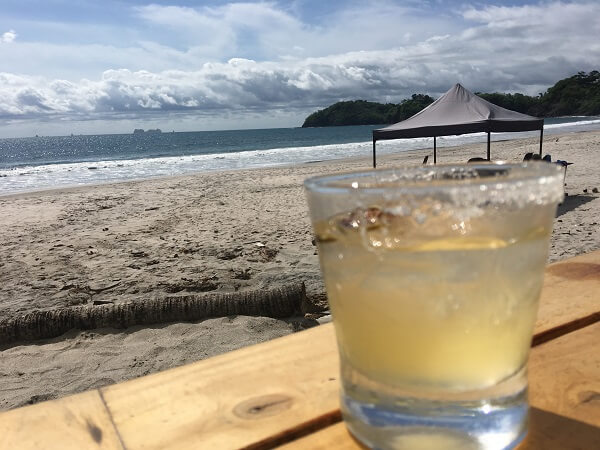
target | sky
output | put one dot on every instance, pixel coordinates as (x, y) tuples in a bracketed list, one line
[(95, 67)]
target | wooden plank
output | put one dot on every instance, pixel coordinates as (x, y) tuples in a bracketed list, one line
[(250, 397), (334, 436), (570, 297), (547, 431), (75, 422), (564, 376)]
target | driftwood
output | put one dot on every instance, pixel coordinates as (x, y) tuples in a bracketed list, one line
[(277, 303)]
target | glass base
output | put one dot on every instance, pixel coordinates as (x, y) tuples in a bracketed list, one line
[(492, 426)]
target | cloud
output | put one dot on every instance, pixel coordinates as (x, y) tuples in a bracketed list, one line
[(302, 66), (8, 37), (266, 31)]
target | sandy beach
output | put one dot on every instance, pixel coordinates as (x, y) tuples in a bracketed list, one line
[(212, 233)]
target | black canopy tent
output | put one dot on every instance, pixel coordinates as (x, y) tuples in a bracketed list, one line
[(459, 111)]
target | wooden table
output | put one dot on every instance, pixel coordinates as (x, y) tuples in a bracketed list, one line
[(285, 392)]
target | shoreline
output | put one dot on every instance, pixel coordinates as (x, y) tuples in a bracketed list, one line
[(74, 188), (216, 232), (399, 153)]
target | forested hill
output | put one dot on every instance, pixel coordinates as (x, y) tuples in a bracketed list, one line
[(361, 112), (578, 95)]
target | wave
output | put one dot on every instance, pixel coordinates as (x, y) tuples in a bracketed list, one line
[(46, 176), (572, 124)]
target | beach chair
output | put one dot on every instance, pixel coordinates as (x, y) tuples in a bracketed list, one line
[(532, 157), (476, 159), (565, 164), (560, 162)]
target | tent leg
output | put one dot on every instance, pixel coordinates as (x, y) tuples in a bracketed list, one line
[(434, 151), (488, 147), (374, 161), (541, 139)]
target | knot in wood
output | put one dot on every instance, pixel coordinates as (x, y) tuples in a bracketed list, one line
[(263, 406)]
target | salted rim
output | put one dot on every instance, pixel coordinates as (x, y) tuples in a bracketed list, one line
[(421, 177), (538, 180)]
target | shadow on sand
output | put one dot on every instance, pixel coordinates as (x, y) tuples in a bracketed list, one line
[(573, 201)]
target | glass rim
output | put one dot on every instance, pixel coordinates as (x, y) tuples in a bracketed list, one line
[(421, 179)]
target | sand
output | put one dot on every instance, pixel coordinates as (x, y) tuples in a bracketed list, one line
[(218, 232)]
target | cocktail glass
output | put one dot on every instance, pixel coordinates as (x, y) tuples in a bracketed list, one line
[(433, 276)]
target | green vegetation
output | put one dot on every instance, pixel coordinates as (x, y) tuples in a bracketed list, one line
[(578, 95), (515, 102), (361, 112)]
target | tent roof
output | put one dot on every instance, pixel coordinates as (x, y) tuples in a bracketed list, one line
[(459, 111)]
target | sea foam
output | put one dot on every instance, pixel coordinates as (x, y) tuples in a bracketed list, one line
[(23, 178)]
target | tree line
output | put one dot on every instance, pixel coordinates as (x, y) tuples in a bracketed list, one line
[(578, 95)]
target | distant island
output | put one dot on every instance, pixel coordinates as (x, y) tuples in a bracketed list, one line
[(141, 131), (578, 95)]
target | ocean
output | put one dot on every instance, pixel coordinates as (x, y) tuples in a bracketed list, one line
[(47, 162)]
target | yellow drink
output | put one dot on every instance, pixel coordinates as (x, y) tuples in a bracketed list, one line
[(453, 312)]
